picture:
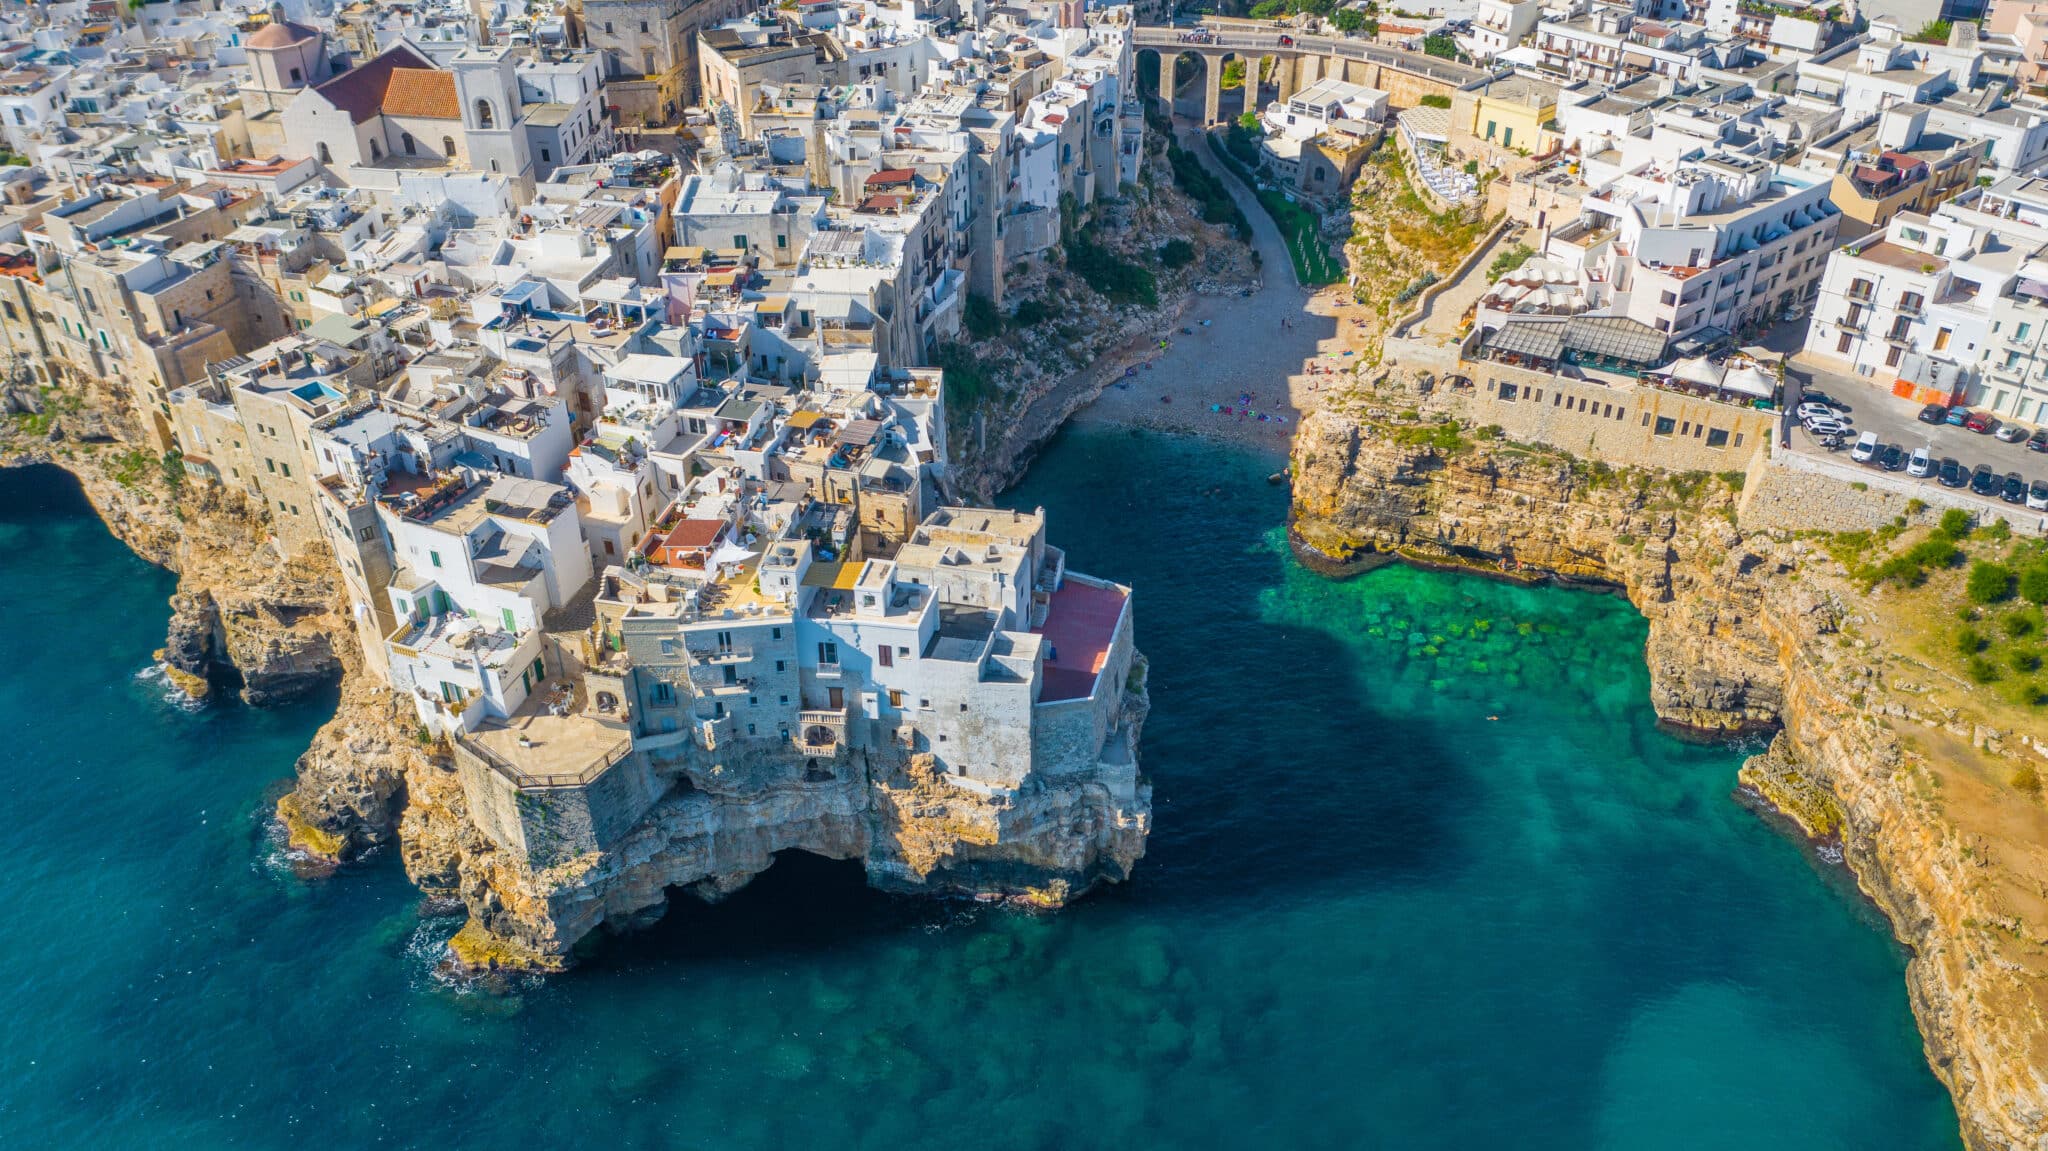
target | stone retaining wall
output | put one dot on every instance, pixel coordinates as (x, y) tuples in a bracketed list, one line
[(1792, 491)]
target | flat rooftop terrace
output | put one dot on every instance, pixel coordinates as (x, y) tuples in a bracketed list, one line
[(1080, 625)]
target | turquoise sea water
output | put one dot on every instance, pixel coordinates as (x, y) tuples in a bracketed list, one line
[(1425, 875)]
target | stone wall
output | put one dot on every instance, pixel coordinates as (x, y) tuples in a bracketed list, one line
[(1626, 426), (1794, 492), (547, 825)]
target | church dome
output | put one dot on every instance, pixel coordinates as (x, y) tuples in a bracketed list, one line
[(280, 34)]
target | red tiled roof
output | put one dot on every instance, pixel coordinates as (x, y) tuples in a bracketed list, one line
[(360, 90), (891, 176), (428, 93), (695, 533)]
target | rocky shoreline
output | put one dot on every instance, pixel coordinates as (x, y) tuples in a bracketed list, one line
[(1748, 632), (277, 631)]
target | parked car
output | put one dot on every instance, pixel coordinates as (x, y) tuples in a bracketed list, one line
[(1866, 448), (2037, 496), (1933, 414), (1892, 458), (1813, 411), (2038, 441), (1984, 481), (1921, 465), (1814, 396), (1981, 423), (1952, 474), (2015, 491), (2011, 433), (1826, 426), (1956, 417)]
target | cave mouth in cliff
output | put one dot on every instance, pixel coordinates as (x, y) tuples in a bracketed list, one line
[(803, 904)]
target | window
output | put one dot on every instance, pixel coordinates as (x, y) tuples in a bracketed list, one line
[(643, 27), (1669, 297), (1842, 345), (1489, 129), (366, 534), (295, 76), (887, 655), (436, 557), (1716, 438), (406, 141), (896, 699), (1941, 338), (376, 153), (1665, 426), (778, 665), (19, 118), (545, 157), (511, 621), (782, 241), (1891, 357), (668, 647), (730, 674), (664, 694), (448, 146), (2020, 333), (828, 654)]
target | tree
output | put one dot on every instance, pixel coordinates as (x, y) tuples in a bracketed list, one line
[(1989, 582), (1348, 20), (1233, 75), (1440, 45), (1176, 253), (1249, 122), (1268, 9)]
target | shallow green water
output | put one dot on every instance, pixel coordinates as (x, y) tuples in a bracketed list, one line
[(1425, 875)]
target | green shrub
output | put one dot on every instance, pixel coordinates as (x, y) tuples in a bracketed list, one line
[(1956, 523), (1989, 582), (2034, 583), (1969, 641), (1997, 530), (1031, 313), (2023, 660), (982, 318), (1934, 552), (2026, 778), (1176, 253), (1980, 670), (1434, 100), (1509, 260), (1915, 506), (2019, 624)]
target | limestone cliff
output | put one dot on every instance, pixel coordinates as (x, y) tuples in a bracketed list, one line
[(721, 823), (242, 612), (1747, 630)]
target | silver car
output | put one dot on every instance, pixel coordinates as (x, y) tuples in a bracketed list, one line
[(1921, 465)]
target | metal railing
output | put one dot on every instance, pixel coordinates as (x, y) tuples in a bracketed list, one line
[(522, 778)]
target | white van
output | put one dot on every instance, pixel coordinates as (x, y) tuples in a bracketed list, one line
[(1866, 448)]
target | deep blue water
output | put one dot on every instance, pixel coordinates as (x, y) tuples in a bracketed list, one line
[(1425, 875)]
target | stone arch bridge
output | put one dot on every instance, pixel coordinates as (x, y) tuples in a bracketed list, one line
[(1300, 60)]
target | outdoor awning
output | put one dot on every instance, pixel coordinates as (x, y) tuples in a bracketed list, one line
[(1614, 338), (1523, 338)]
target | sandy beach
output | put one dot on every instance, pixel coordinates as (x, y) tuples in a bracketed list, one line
[(1271, 354)]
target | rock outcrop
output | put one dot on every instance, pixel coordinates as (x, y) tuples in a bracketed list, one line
[(720, 824), (1748, 630)]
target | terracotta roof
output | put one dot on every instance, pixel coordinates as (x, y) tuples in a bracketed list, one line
[(423, 92), (891, 176), (281, 34), (360, 90)]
